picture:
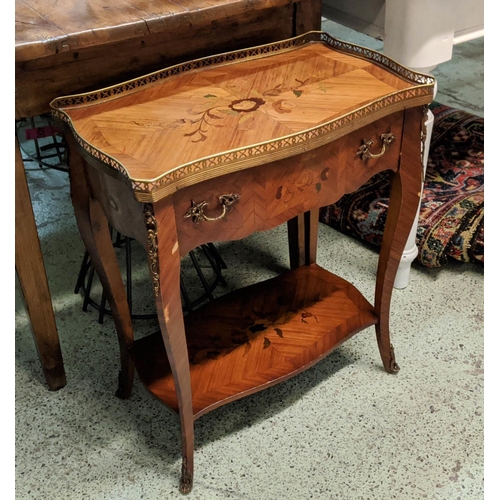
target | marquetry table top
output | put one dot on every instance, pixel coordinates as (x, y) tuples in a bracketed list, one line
[(212, 116)]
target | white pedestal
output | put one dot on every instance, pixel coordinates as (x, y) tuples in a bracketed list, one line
[(411, 251), (419, 35)]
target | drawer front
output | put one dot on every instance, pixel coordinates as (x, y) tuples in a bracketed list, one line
[(268, 195), (372, 149), (215, 222)]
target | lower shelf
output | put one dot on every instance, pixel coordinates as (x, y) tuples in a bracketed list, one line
[(257, 336)]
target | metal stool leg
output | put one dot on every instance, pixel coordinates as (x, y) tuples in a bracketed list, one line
[(87, 271), (215, 265), (86, 296), (185, 297), (203, 280), (80, 282)]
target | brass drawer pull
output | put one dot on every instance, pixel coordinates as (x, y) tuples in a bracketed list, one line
[(364, 149), (196, 210)]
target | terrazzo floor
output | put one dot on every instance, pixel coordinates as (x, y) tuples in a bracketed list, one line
[(344, 429)]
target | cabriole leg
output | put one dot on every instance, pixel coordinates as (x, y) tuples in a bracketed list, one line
[(164, 264), (403, 206), (93, 226)]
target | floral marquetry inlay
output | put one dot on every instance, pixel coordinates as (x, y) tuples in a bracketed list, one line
[(224, 113)]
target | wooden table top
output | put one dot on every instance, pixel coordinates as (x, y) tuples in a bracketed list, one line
[(48, 27), (205, 118)]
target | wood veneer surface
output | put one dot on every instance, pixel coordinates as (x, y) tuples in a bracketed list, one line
[(258, 336), (48, 27), (155, 128)]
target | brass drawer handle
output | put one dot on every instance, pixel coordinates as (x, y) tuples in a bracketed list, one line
[(196, 210), (364, 149)]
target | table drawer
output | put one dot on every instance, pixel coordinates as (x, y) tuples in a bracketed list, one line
[(235, 205), (372, 149)]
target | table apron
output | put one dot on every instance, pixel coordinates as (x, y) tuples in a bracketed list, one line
[(267, 195)]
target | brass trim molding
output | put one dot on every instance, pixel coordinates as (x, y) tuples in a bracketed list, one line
[(152, 190), (251, 53), (152, 238), (240, 159)]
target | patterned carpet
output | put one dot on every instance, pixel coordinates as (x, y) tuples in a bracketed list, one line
[(451, 220)]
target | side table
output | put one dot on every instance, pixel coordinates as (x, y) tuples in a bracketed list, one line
[(216, 149)]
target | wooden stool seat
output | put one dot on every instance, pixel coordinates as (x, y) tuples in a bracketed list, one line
[(215, 149)]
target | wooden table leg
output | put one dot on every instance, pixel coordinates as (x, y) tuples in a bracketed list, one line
[(94, 230), (405, 192), (307, 17), (33, 280), (165, 266), (303, 238)]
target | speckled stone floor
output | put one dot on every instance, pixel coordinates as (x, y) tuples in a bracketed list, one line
[(342, 430)]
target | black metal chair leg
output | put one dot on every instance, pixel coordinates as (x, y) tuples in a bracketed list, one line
[(216, 255), (86, 296), (80, 282), (87, 272), (215, 265), (187, 302), (203, 280)]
